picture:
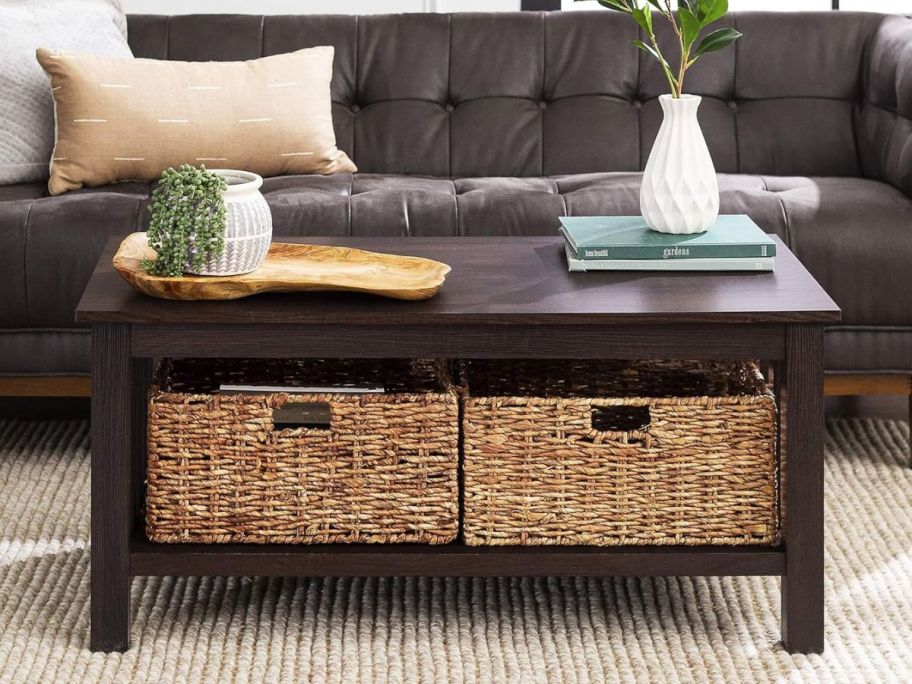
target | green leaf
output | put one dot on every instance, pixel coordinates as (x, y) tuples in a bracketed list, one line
[(711, 10), (643, 16), (717, 40), (648, 49), (614, 4), (690, 26)]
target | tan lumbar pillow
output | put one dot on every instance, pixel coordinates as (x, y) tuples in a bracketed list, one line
[(130, 119)]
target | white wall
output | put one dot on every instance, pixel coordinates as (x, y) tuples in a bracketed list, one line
[(314, 6), (388, 6), (894, 6), (734, 5)]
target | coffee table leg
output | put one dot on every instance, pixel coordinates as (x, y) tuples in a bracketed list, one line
[(802, 586), (111, 487)]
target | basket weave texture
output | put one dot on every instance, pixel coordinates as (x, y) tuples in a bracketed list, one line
[(618, 453), (385, 470)]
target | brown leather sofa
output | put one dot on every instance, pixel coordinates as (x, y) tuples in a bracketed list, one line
[(497, 124)]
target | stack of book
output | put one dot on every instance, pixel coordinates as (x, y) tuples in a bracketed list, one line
[(626, 243)]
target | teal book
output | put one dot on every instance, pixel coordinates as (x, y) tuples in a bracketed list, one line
[(733, 236), (759, 264)]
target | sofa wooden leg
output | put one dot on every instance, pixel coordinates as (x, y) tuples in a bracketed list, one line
[(869, 384), (46, 386)]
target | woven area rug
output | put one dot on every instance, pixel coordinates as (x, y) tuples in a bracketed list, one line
[(508, 630)]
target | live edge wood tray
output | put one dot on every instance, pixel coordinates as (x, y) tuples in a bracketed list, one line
[(290, 268), (505, 298)]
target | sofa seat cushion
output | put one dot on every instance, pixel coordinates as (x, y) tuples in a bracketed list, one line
[(854, 235), (872, 348)]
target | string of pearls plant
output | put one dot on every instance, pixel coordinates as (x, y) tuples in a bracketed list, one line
[(188, 220)]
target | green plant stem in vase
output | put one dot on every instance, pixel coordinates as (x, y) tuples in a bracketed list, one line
[(188, 220), (680, 191), (688, 22)]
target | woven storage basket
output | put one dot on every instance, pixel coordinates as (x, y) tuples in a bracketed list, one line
[(382, 468), (609, 453)]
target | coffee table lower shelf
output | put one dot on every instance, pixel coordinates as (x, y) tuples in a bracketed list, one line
[(449, 560)]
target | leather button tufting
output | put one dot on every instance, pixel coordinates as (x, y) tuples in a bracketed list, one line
[(636, 104), (732, 104), (542, 105), (449, 107), (355, 109)]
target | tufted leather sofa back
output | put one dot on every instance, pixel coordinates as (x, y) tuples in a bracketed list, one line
[(532, 94)]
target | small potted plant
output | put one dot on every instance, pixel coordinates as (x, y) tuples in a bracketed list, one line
[(680, 192), (208, 222)]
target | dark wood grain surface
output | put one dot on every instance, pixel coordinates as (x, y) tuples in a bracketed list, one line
[(605, 341), (495, 281), (449, 560), (112, 442), (803, 585)]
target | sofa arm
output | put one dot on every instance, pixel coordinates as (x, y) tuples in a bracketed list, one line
[(884, 124)]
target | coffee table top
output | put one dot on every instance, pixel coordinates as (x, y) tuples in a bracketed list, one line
[(495, 280)]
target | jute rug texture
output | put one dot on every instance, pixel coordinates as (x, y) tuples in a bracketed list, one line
[(432, 630)]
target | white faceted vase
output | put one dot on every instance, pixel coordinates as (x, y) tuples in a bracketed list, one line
[(248, 226), (680, 193)]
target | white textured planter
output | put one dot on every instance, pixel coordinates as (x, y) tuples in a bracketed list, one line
[(680, 192), (248, 225)]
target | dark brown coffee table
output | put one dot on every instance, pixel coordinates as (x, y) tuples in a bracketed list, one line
[(506, 297)]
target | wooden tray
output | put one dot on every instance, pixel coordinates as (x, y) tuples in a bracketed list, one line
[(291, 268)]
